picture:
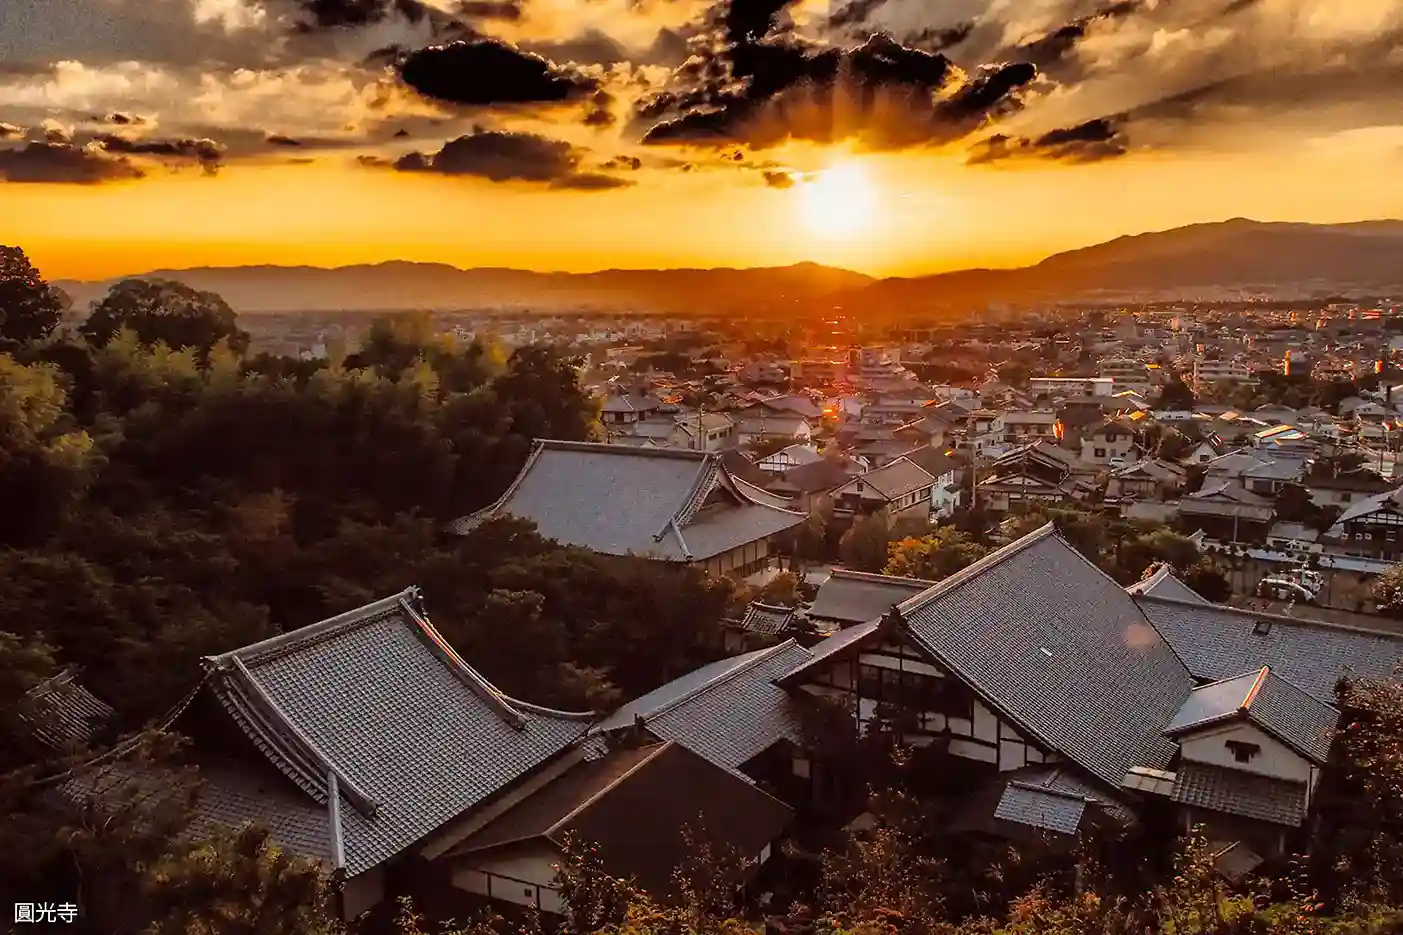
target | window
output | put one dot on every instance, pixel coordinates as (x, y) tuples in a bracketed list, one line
[(1261, 627), (1100, 452), (1243, 751), (1110, 438)]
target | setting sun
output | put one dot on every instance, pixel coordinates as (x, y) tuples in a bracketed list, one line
[(838, 202)]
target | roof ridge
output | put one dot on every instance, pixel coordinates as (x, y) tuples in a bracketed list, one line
[(759, 656), (560, 444), (312, 632), (475, 682), (1273, 617), (460, 525), (876, 577), (1049, 790), (946, 585), (610, 786), (1246, 705)]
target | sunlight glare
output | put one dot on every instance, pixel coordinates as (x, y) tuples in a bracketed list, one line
[(838, 202)]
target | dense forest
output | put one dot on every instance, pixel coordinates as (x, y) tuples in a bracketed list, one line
[(167, 494)]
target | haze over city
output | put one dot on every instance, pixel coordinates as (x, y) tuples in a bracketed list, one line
[(891, 138)]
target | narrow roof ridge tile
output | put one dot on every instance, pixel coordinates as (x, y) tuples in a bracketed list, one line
[(946, 585), (719, 679)]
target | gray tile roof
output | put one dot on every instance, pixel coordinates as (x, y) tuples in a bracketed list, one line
[(896, 479), (1303, 723), (617, 500), (849, 597), (830, 646), (727, 712), (1221, 642), (1060, 649), (765, 618), (64, 714), (1041, 808), (1238, 793), (376, 705), (1163, 583)]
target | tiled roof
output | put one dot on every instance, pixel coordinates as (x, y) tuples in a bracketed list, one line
[(63, 713), (1060, 649), (1221, 642), (1041, 808), (1264, 698), (376, 718), (1238, 793), (830, 646), (856, 597), (727, 712), (765, 618), (815, 477), (627, 501), (1163, 583), (635, 805), (896, 479)]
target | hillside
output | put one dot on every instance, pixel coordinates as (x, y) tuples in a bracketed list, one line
[(397, 285), (1201, 261)]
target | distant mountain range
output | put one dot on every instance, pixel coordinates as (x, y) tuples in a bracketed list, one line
[(1201, 261)]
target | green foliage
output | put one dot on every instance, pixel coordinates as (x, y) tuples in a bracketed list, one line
[(159, 311), (1388, 592), (864, 544), (1176, 395), (30, 309), (934, 556)]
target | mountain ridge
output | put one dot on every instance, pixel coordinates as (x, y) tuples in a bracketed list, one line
[(1194, 261)]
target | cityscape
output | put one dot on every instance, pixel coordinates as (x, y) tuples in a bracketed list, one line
[(701, 467)]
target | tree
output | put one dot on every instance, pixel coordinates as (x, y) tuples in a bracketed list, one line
[(1388, 592), (1176, 395), (934, 556), (864, 545), (165, 312), (30, 309), (1207, 578)]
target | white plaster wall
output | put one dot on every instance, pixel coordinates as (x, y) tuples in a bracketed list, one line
[(519, 876), (362, 892), (1275, 759)]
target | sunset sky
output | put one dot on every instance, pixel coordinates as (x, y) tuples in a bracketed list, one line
[(894, 137)]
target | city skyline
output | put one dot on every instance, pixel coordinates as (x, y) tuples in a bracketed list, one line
[(874, 136)]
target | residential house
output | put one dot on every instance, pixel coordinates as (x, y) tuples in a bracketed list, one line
[(1021, 427), (1346, 488), (1032, 475), (627, 408), (678, 507), (1228, 511), (772, 426), (1372, 527), (1111, 442), (808, 486), (1153, 479), (1260, 472), (788, 458), (947, 492), (901, 487)]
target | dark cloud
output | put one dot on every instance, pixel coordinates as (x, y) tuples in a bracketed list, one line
[(882, 92), (55, 134), (500, 156), (277, 139), (601, 110), (490, 9), (401, 133), (61, 163), (854, 13), (938, 39), (1092, 141), (488, 72), (779, 179), (592, 47), (1051, 48), (125, 120), (207, 153), (8, 131), (632, 163), (591, 182)]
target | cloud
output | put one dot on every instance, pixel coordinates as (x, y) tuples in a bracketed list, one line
[(883, 93), (490, 72), (776, 179), (62, 163), (204, 151), (125, 120), (1092, 141), (490, 9), (8, 131), (500, 156), (277, 139)]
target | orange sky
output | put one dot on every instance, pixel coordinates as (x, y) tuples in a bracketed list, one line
[(916, 214)]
